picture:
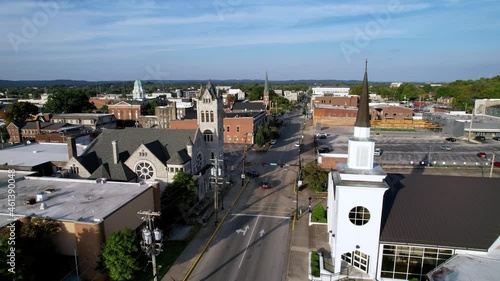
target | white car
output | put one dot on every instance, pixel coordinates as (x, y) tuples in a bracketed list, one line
[(272, 142), (377, 152), (297, 144)]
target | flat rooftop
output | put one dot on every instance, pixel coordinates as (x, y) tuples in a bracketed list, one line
[(68, 199), (36, 153), (463, 267)]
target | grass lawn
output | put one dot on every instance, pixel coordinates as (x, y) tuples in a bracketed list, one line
[(171, 251)]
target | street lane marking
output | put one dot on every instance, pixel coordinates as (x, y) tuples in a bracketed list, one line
[(244, 230), (261, 232), (265, 216), (248, 243)]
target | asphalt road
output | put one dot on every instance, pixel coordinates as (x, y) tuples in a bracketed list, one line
[(253, 242)]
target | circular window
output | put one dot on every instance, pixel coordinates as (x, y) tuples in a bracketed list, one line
[(199, 161), (359, 215), (144, 170)]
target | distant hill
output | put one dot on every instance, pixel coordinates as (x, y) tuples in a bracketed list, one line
[(67, 83)]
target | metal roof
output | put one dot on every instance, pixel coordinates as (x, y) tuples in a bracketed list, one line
[(450, 211)]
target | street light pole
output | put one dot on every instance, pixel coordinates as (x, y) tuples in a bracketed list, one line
[(492, 164), (152, 238)]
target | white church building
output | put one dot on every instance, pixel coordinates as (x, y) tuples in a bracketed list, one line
[(138, 91), (408, 227)]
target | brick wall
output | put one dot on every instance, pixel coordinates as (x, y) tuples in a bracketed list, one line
[(238, 129)]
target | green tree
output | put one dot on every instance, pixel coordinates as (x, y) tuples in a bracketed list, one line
[(355, 90), (68, 101), (4, 134), (20, 111), (184, 180), (260, 138), (119, 255), (315, 176), (33, 249)]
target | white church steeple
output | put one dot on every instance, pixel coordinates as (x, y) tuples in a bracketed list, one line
[(361, 146)]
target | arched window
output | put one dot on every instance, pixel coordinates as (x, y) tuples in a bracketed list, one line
[(203, 116), (211, 116), (208, 136), (207, 116)]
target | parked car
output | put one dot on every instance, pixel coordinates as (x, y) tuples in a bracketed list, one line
[(323, 150), (480, 138), (481, 154), (425, 163), (252, 173), (264, 184), (297, 144), (377, 152), (496, 138), (321, 136), (451, 139), (444, 147), (496, 164), (272, 142)]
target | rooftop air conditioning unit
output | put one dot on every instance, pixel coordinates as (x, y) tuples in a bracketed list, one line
[(40, 197)]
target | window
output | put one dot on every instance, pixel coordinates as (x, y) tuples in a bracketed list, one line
[(144, 170), (208, 136), (143, 154), (406, 262), (207, 116), (227, 129), (237, 129), (74, 169), (203, 116), (359, 215), (211, 116)]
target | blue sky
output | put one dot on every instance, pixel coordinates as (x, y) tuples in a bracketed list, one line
[(96, 40)]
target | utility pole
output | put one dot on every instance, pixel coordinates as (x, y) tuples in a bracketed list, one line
[(216, 191), (152, 238), (492, 164), (243, 165), (470, 126)]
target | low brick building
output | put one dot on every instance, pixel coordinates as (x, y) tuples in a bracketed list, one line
[(242, 127)]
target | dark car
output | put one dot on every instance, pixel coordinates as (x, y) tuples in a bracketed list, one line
[(323, 150), (253, 173), (451, 139), (480, 138), (496, 138), (264, 184), (425, 163)]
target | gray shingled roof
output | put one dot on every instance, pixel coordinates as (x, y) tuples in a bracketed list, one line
[(48, 126), (168, 145), (117, 172), (249, 106), (459, 212)]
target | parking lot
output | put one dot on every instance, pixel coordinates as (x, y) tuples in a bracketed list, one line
[(411, 148)]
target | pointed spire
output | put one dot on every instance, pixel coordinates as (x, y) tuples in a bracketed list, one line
[(363, 117), (211, 88), (266, 86)]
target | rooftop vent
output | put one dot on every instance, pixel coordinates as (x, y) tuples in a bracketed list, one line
[(43, 206), (30, 201), (101, 180)]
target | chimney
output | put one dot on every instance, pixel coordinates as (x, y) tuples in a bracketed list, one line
[(38, 128), (115, 151), (71, 147)]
